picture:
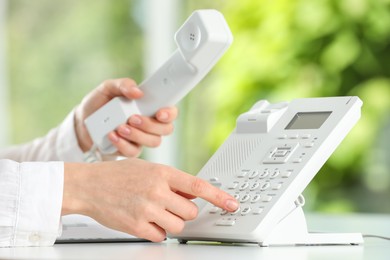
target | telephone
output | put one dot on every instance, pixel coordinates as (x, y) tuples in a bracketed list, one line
[(266, 163)]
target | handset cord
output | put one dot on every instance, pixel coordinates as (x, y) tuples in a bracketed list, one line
[(376, 236), (93, 155)]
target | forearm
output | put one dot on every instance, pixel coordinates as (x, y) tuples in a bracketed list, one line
[(77, 178), (60, 144), (40, 149)]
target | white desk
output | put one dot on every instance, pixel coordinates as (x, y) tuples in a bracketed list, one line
[(373, 248)]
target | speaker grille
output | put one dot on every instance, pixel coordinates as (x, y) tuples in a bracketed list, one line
[(231, 155)]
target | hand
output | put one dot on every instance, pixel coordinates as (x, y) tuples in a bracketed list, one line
[(137, 132), (137, 197)]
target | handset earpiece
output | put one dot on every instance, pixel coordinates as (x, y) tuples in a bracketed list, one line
[(203, 38)]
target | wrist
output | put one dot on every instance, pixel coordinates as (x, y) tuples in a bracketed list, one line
[(83, 139), (74, 200)]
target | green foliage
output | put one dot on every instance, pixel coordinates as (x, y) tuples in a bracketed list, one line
[(286, 49), (60, 50)]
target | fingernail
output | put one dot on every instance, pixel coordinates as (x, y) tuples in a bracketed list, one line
[(125, 130), (136, 90), (136, 120), (163, 116), (113, 138), (231, 205)]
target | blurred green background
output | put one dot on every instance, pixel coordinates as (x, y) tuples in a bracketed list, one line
[(283, 49)]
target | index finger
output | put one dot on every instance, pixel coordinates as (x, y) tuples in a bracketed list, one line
[(195, 186)]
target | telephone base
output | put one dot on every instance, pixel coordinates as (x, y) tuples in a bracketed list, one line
[(292, 230)]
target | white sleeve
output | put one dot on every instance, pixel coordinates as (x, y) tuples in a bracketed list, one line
[(60, 144), (30, 203)]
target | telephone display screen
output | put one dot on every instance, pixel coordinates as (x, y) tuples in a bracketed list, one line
[(308, 120)]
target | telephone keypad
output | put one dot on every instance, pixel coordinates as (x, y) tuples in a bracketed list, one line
[(254, 189)]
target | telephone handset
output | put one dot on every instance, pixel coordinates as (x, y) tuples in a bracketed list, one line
[(266, 163), (201, 42)]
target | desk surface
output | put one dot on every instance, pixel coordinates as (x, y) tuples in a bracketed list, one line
[(373, 248)]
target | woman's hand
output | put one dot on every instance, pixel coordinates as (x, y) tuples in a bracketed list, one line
[(137, 197), (137, 132)]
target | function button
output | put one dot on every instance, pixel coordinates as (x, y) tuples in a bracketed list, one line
[(242, 174), (245, 211), (286, 174), (293, 136), (281, 153), (308, 144), (266, 198), (282, 137), (214, 210), (305, 136), (245, 198), (224, 212), (244, 186), (297, 160), (257, 211), (232, 185), (214, 179), (255, 198), (253, 174), (225, 222), (276, 186)]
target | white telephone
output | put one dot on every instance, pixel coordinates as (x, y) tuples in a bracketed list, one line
[(266, 163)]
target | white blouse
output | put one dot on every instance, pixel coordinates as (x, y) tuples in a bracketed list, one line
[(31, 187)]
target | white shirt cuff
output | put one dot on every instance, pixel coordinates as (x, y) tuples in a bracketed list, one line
[(37, 201), (67, 146)]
